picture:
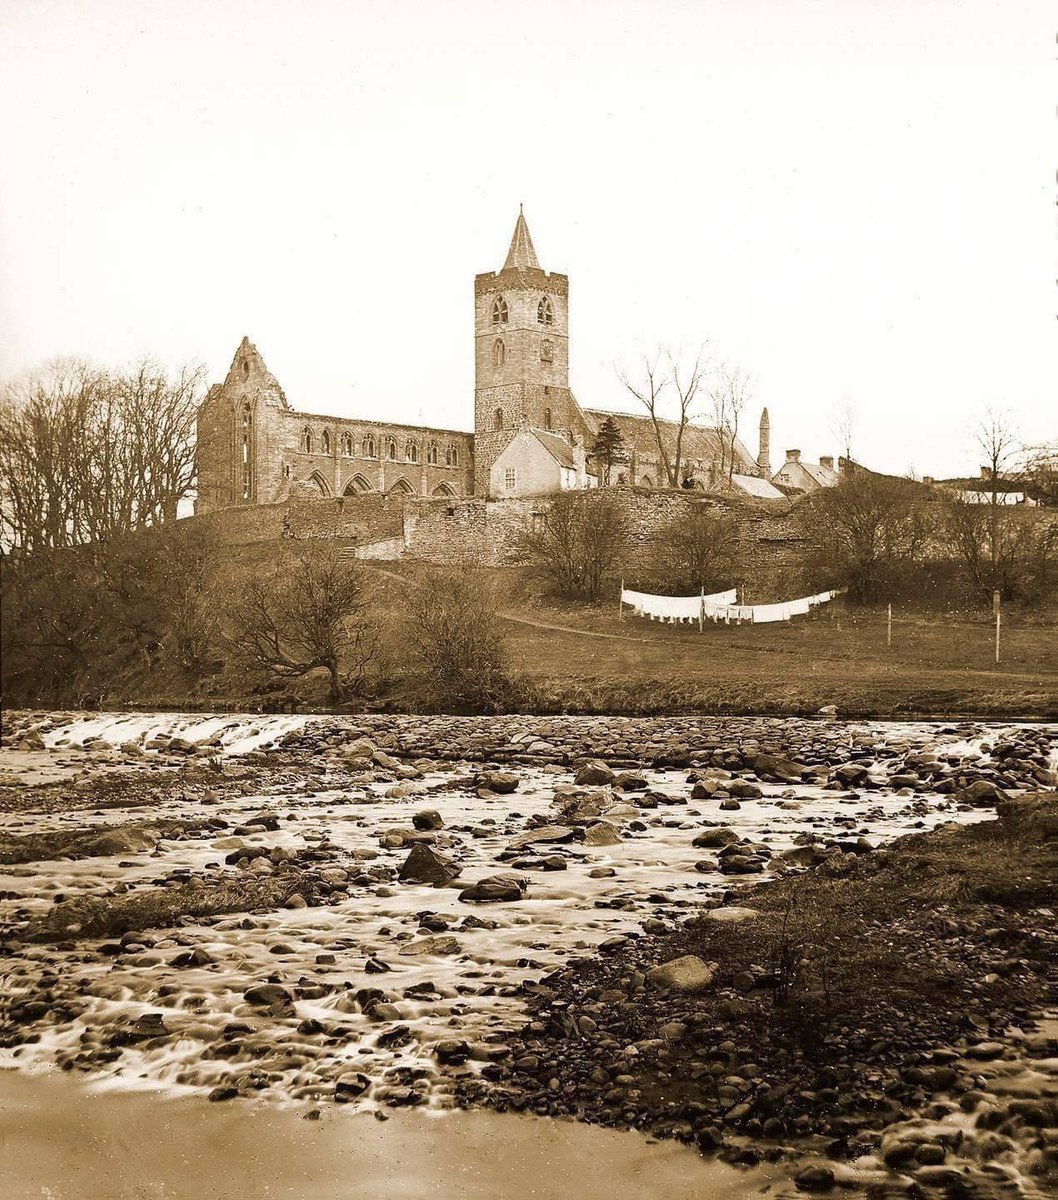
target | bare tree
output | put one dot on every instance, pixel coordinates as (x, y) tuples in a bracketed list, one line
[(685, 377), (730, 390), (578, 542), (457, 648), (843, 424), (1040, 473), (866, 527), (697, 550), (310, 612), (88, 454)]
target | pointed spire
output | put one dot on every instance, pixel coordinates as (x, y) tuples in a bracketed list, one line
[(521, 254)]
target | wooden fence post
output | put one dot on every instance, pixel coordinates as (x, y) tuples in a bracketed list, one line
[(995, 607), (889, 626)]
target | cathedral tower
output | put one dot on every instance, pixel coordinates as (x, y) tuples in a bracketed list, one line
[(764, 453), (521, 354)]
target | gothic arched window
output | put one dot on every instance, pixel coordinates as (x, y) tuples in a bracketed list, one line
[(545, 314), (499, 352), (451, 456), (247, 463), (497, 419), (368, 447), (391, 450), (431, 454), (347, 445), (411, 452), (547, 418), (499, 311), (306, 440), (325, 442)]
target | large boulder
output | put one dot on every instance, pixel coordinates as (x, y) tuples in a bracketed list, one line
[(502, 782), (982, 793), (602, 833), (594, 773), (713, 839), (777, 767), (542, 834), (425, 865), (850, 774), (270, 996), (495, 888), (685, 974), (428, 818)]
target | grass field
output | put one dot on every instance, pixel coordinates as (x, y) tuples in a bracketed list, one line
[(580, 658), (936, 664)]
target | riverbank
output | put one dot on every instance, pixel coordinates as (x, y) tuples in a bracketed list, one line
[(828, 1011), (369, 914)]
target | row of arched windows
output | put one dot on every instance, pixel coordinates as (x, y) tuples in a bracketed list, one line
[(358, 484), (499, 352), (388, 448), (545, 312)]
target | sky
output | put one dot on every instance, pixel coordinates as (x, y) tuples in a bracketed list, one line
[(854, 200)]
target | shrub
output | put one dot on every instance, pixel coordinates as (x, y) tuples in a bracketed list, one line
[(453, 635), (578, 542)]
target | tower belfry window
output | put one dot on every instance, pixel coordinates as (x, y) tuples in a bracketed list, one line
[(545, 314), (499, 311)]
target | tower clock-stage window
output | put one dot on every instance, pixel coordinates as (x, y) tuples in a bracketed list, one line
[(368, 446), (547, 351), (545, 314), (497, 419), (499, 353), (391, 450), (499, 311), (306, 440)]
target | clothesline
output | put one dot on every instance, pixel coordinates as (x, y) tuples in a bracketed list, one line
[(720, 606)]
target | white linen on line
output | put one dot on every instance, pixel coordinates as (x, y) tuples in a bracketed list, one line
[(719, 606)]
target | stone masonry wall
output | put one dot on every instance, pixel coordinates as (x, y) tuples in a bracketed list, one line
[(480, 532)]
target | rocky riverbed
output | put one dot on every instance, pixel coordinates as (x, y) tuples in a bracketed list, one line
[(372, 911)]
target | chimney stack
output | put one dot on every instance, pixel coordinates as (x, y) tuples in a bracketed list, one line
[(986, 472), (927, 480), (826, 460), (793, 455)]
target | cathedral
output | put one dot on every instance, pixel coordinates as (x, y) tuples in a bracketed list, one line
[(531, 437)]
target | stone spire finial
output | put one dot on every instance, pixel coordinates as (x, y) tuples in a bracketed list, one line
[(521, 254), (764, 453)]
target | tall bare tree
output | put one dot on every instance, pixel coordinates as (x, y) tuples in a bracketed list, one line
[(87, 454), (578, 542), (730, 389), (656, 374), (310, 612), (843, 425)]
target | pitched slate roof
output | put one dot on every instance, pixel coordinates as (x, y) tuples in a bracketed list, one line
[(699, 441), (559, 449), (753, 485)]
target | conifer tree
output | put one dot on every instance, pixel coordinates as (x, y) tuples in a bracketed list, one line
[(608, 447)]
